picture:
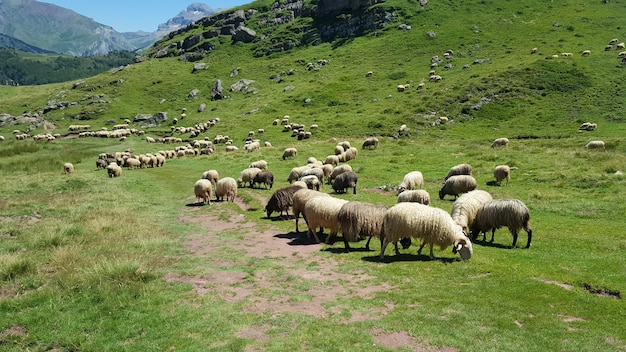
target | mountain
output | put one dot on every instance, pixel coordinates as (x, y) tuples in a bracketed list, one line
[(61, 30), (12, 43)]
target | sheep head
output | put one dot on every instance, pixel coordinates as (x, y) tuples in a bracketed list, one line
[(463, 246)]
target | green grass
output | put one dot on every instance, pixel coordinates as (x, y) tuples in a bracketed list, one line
[(85, 260)]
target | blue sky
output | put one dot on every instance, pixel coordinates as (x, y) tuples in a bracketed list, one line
[(134, 15)]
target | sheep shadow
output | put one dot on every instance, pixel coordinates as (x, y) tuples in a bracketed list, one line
[(405, 257), (493, 183), (342, 250), (296, 239), (484, 243), (196, 204)]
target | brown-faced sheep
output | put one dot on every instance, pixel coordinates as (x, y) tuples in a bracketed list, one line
[(68, 168), (494, 214), (456, 185), (433, 226)]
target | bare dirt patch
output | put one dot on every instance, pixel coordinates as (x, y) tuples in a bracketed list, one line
[(396, 340)]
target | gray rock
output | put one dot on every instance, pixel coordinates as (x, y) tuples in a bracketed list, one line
[(193, 94), (240, 85), (244, 34), (148, 120), (199, 66), (202, 107), (218, 91)]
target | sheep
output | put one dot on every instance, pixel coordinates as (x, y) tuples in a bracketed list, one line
[(290, 153), (502, 172), (500, 142), (587, 126), (494, 214), (359, 220), (312, 182), (338, 171), (296, 173), (68, 168), (349, 154), (231, 148), (299, 200), (282, 199), (265, 177), (247, 176), (339, 150), (132, 163), (595, 145), (321, 212), (114, 170), (412, 180), (456, 185), (261, 164), (345, 145), (344, 181), (226, 187), (620, 46), (369, 74), (466, 206), (533, 50), (433, 225), (461, 169), (586, 53), (203, 190), (370, 142), (332, 160), (211, 175), (415, 195), (252, 146)]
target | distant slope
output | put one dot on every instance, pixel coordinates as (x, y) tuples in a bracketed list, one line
[(7, 42)]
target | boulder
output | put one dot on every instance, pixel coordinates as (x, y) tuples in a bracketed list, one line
[(218, 91), (244, 34)]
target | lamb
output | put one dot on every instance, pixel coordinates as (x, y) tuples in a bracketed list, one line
[(68, 168), (502, 172), (290, 153), (203, 190), (370, 142), (433, 225), (461, 169), (595, 145), (494, 214), (226, 187), (211, 175), (412, 180), (500, 142), (282, 199), (344, 181), (299, 200), (466, 206), (338, 171), (416, 195), (114, 170), (247, 176), (359, 220), (261, 164), (456, 185), (265, 177), (312, 182), (323, 212)]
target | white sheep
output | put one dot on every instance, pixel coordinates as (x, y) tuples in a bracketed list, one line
[(494, 214), (414, 195), (595, 145), (261, 164), (203, 190), (500, 142), (296, 173), (211, 175), (338, 171), (312, 182), (247, 176), (332, 160), (68, 168), (226, 187), (586, 53), (323, 212), (456, 185), (461, 169), (114, 170), (587, 126), (339, 150), (299, 200), (466, 206), (502, 172), (433, 226), (315, 171), (412, 180), (360, 220), (290, 153)]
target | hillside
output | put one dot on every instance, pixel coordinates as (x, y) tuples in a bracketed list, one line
[(90, 262)]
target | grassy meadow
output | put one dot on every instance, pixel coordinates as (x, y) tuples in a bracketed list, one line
[(86, 261)]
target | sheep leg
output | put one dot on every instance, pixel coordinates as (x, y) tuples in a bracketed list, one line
[(419, 251), (493, 232), (530, 237), (397, 250), (312, 231), (432, 256), (354, 190), (367, 245), (514, 239), (383, 245), (347, 246)]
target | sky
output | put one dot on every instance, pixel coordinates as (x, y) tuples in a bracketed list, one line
[(135, 15)]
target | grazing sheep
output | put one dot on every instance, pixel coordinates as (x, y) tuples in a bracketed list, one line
[(456, 185), (203, 190), (114, 170), (132, 163), (500, 142), (494, 214), (312, 182), (282, 199), (587, 126), (315, 171), (332, 160), (412, 180), (533, 50), (252, 146), (68, 168), (461, 169), (586, 53), (231, 148), (296, 173), (466, 206), (344, 181), (345, 145), (261, 164), (338, 171), (433, 225), (265, 177), (226, 187), (290, 153), (322, 212), (502, 172), (370, 142), (369, 74), (595, 145), (360, 220), (247, 176), (415, 195), (339, 150), (211, 175), (299, 200)]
